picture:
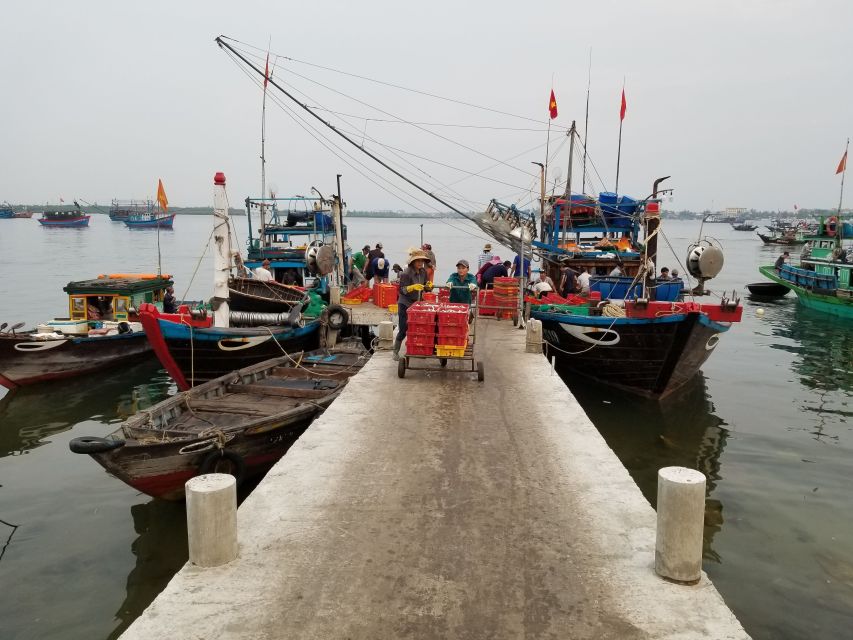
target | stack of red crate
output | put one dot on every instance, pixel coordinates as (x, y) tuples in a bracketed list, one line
[(385, 294), (506, 295), (420, 335), (452, 325), (487, 302)]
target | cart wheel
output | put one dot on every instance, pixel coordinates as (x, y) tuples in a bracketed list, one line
[(481, 371), (442, 362), (515, 320), (401, 368)]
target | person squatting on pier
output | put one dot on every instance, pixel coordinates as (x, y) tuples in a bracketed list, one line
[(412, 283)]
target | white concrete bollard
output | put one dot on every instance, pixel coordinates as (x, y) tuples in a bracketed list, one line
[(534, 336), (386, 330), (680, 524), (212, 519), (334, 295)]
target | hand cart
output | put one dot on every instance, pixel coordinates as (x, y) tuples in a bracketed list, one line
[(443, 355)]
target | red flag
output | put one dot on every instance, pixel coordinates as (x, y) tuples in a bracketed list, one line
[(624, 106), (552, 105), (267, 71), (161, 196), (842, 165)]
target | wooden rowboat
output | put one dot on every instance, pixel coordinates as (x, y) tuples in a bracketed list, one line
[(247, 294), (240, 423)]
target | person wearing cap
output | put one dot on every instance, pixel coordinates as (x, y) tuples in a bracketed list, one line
[(263, 272), (543, 284), (485, 256), (461, 283), (431, 267), (413, 281), (379, 269), (397, 269), (371, 258)]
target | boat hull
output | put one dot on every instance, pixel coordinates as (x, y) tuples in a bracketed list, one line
[(75, 222), (831, 304), (25, 361), (162, 470), (165, 222), (193, 355), (651, 357)]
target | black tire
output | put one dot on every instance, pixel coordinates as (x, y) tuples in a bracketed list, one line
[(481, 371), (337, 317), (442, 362), (92, 444), (401, 368), (213, 462)]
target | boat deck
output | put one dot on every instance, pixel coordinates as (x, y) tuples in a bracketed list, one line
[(436, 506)]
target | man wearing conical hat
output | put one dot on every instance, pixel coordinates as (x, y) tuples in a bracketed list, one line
[(413, 281)]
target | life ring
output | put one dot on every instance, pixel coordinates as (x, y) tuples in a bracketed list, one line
[(92, 444), (236, 464), (337, 317), (831, 226)]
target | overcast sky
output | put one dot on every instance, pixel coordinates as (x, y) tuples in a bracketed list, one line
[(744, 103)]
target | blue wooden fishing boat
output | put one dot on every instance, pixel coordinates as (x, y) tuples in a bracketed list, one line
[(121, 210), (64, 217), (6, 214), (150, 220)]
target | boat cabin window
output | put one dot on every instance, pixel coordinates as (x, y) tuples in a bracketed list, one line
[(98, 308), (120, 306), (77, 307)]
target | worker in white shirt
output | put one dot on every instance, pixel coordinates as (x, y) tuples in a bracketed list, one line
[(263, 272)]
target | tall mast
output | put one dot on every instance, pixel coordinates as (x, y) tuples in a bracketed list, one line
[(586, 122), (619, 153), (843, 173), (567, 214)]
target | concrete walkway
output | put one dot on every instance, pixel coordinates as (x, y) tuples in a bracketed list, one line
[(439, 507)]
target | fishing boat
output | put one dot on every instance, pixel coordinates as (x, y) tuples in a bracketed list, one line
[(152, 220), (102, 330), (197, 347), (240, 423), (23, 214), (297, 235), (121, 210), (64, 217), (250, 294), (822, 279), (6, 214), (742, 225), (633, 332)]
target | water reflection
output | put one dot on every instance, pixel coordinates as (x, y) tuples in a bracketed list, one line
[(645, 435), (160, 550), (31, 414)]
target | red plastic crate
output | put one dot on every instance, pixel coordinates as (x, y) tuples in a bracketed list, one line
[(452, 341), (421, 329), (416, 340), (422, 312), (385, 294), (451, 330), (443, 295), (487, 299), (419, 351)]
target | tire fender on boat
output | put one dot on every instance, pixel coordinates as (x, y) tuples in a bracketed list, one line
[(337, 316), (238, 465), (92, 444), (831, 226)]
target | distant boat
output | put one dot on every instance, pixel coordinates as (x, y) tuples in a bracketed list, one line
[(150, 221), (65, 218), (788, 239), (121, 210), (23, 214), (6, 214), (742, 225)]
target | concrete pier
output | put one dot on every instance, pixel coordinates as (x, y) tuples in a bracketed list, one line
[(436, 506)]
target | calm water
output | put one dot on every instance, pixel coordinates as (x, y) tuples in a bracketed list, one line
[(767, 421)]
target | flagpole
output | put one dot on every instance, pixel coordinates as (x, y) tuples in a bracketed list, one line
[(619, 152), (263, 154), (843, 173)]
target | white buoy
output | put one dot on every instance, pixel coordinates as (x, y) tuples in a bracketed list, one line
[(680, 524), (212, 519), (759, 311)]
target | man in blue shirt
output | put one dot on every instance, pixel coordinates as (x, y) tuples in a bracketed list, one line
[(461, 283), (515, 267)]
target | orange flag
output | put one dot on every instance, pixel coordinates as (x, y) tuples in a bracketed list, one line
[(161, 196), (842, 165), (552, 105)]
